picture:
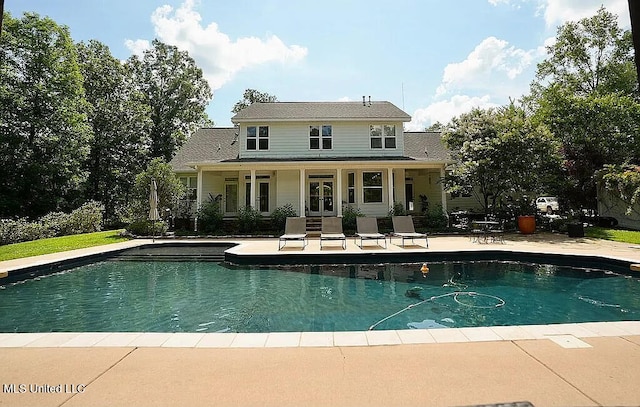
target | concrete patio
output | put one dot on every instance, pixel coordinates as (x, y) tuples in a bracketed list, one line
[(594, 364)]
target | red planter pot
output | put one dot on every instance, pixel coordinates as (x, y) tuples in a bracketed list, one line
[(527, 224)]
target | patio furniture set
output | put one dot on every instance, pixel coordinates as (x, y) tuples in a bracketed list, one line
[(367, 229)]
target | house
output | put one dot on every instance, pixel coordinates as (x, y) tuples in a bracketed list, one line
[(319, 157)]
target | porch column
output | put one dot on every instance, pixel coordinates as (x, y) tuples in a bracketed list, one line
[(303, 198), (338, 198), (199, 189), (390, 186), (444, 193), (252, 197)]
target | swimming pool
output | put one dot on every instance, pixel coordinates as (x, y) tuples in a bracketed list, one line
[(128, 296)]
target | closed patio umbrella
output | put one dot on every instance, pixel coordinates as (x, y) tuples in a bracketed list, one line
[(153, 206)]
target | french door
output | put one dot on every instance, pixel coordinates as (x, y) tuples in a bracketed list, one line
[(321, 201)]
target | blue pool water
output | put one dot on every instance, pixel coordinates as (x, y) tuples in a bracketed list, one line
[(126, 296)]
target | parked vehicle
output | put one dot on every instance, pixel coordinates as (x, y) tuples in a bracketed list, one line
[(548, 204)]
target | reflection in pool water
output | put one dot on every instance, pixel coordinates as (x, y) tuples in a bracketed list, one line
[(125, 296)]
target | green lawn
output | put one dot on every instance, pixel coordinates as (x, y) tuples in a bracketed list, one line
[(625, 236), (59, 244)]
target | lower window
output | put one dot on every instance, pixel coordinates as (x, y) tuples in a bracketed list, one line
[(372, 187)]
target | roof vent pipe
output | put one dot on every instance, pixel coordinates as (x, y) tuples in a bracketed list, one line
[(369, 100), (363, 101)]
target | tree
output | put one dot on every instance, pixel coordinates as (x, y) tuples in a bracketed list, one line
[(120, 122), (437, 126), (622, 181), (251, 96), (170, 190), (44, 135), (585, 93), (175, 89), (594, 130), (591, 56), (499, 153), (634, 13)]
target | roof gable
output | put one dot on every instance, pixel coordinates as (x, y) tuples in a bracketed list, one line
[(306, 111)]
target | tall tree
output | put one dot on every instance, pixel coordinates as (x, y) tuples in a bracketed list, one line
[(593, 55), (499, 153), (120, 122), (44, 135), (251, 96), (585, 93), (175, 89), (634, 12), (594, 131)]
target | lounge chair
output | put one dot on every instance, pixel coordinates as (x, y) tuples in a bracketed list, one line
[(332, 230), (368, 230), (294, 229), (403, 228)]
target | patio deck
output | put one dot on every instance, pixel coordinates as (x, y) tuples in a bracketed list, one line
[(553, 365)]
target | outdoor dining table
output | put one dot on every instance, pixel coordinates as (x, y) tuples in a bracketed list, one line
[(487, 229)]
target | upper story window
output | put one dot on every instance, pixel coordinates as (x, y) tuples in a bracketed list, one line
[(257, 137), (321, 137), (382, 136)]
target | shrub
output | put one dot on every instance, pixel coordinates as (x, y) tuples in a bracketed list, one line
[(398, 209), (20, 230), (436, 218), (145, 227), (349, 215), (209, 216), (279, 216), (85, 219), (248, 219)]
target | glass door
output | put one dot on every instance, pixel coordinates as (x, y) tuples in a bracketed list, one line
[(231, 198), (321, 198)]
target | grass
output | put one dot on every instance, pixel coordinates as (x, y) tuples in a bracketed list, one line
[(59, 244), (624, 236)]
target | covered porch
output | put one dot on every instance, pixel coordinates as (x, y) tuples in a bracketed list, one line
[(322, 188)]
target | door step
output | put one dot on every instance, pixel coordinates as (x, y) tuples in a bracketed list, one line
[(314, 226)]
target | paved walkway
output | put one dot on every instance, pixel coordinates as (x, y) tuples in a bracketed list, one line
[(568, 365)]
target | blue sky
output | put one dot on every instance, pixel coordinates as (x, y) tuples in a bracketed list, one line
[(433, 58)]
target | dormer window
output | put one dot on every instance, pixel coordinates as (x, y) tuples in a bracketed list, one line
[(257, 137), (321, 137), (382, 136)]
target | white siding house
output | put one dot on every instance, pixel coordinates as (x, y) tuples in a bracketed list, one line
[(319, 157)]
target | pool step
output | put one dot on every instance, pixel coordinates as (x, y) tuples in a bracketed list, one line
[(169, 257)]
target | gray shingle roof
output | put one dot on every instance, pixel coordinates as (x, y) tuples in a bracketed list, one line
[(305, 111), (207, 144), (426, 146)]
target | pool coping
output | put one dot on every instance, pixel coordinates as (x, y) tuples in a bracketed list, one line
[(566, 335)]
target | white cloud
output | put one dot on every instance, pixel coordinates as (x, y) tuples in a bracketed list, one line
[(219, 57), (557, 12), (137, 47), (513, 3), (492, 58), (445, 110)]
